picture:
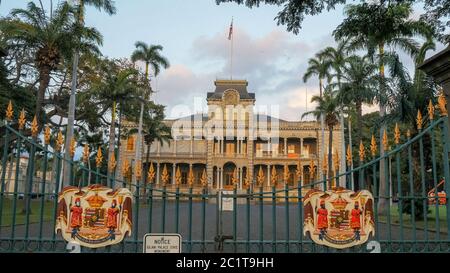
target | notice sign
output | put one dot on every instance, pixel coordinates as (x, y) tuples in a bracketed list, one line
[(162, 243), (227, 202)]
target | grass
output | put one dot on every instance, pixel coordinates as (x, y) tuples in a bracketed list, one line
[(7, 212), (419, 223)]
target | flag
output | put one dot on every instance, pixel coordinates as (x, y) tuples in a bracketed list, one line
[(230, 33)]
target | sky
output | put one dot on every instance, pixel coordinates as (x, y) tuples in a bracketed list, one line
[(194, 34)]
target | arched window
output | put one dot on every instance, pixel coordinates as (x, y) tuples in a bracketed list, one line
[(130, 143)]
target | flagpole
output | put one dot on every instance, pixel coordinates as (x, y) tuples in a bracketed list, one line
[(231, 50)]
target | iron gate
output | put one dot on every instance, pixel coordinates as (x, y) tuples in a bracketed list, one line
[(263, 219)]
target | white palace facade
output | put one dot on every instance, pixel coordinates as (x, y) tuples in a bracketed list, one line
[(232, 140)]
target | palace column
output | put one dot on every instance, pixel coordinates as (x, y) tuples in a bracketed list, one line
[(301, 147), (285, 146), (217, 178), (240, 178), (268, 175), (221, 179), (174, 169), (238, 146), (175, 146), (191, 147), (157, 173)]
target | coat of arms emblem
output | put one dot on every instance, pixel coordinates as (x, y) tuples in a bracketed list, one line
[(339, 218), (94, 216)]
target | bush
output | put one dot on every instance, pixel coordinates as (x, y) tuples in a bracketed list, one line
[(418, 207)]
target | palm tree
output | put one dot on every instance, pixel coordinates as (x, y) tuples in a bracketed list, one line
[(373, 26), (109, 8), (327, 105), (319, 66), (359, 82), (338, 58), (117, 86), (154, 129), (150, 55), (51, 38)]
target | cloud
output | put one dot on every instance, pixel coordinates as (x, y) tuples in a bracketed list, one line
[(273, 64)]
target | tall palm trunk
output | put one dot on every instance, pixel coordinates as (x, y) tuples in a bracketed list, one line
[(342, 180), (322, 129), (358, 106), (44, 80), (72, 101), (147, 158), (382, 203), (112, 134), (350, 143), (138, 154), (330, 152)]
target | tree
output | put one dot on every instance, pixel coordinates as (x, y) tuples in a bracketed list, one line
[(51, 38), (371, 27), (154, 129), (327, 105), (359, 82), (108, 7), (118, 85), (319, 66), (150, 55), (338, 57)]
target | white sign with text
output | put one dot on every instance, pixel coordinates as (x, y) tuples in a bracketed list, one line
[(162, 243)]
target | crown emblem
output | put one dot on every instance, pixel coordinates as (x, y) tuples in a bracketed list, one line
[(339, 203), (96, 201)]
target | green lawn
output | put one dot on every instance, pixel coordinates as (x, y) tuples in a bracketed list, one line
[(7, 212), (419, 223)]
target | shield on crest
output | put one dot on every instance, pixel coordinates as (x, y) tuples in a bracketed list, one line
[(94, 216), (339, 218)]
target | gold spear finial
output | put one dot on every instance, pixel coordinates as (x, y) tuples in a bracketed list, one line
[(373, 146), (151, 173), (349, 156), (408, 134), (247, 179), (325, 163), (112, 162), (336, 159), (34, 127), (362, 151), (165, 175), (191, 177), (419, 120), (72, 147), (430, 110), (9, 111), (138, 170), (385, 140), (99, 158), (59, 141), (397, 134), (286, 174), (178, 177), (125, 168), (85, 153), (47, 134), (260, 177), (22, 119), (442, 103), (274, 176), (204, 179)]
